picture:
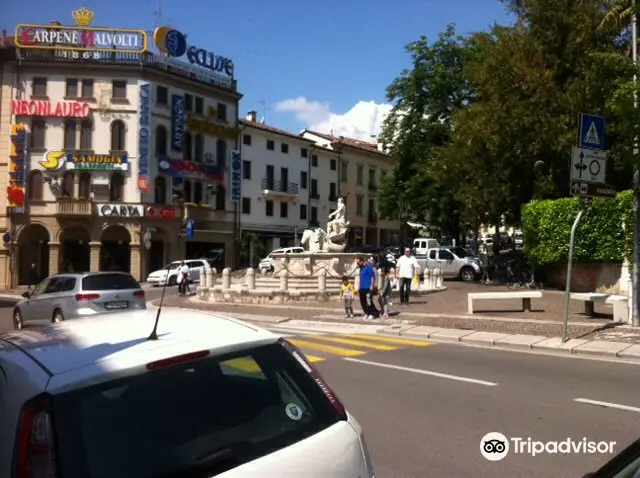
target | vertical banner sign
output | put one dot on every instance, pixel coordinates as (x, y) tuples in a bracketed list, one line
[(17, 167), (235, 177), (143, 137), (177, 122)]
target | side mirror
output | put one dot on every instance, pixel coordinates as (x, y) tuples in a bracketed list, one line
[(26, 295)]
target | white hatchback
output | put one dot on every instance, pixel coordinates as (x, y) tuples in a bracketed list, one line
[(211, 396)]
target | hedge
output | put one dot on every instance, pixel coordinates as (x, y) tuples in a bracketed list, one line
[(600, 236)]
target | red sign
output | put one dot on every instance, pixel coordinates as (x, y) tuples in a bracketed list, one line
[(65, 109), (164, 213), (143, 184)]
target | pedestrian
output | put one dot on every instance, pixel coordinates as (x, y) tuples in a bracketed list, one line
[(407, 269), (384, 297), (347, 291), (183, 278), (367, 288), (33, 276)]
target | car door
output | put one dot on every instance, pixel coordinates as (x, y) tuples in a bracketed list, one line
[(29, 308), (625, 464), (432, 258), (446, 261), (42, 304)]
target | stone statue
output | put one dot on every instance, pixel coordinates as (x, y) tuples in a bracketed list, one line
[(337, 226), (317, 240), (333, 240)]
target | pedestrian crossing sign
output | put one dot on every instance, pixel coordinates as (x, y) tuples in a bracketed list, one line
[(591, 134)]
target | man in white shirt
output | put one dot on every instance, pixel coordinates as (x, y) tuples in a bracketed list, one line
[(407, 268), (183, 278)]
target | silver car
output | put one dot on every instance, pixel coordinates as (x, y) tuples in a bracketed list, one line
[(69, 296)]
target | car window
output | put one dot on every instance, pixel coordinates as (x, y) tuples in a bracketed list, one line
[(172, 266), (68, 285), (432, 254), (446, 256), (194, 264), (109, 282), (245, 405), (40, 288)]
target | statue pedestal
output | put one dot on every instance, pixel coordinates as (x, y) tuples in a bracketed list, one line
[(309, 264)]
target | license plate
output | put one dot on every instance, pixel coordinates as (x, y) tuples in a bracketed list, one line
[(117, 305)]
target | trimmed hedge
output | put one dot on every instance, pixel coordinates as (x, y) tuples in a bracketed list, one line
[(600, 236)]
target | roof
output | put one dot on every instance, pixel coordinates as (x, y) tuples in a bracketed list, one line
[(271, 129), (343, 140), (119, 341)]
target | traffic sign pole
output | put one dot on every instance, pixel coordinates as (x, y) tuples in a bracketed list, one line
[(635, 278), (567, 294)]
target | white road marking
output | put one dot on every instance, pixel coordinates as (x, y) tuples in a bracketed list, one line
[(423, 372), (607, 404)]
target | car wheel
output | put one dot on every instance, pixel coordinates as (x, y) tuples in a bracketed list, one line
[(18, 324), (173, 281), (467, 274), (57, 316)]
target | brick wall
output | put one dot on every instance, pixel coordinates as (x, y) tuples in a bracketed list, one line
[(584, 277)]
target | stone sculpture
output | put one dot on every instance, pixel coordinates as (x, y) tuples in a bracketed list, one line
[(334, 238)]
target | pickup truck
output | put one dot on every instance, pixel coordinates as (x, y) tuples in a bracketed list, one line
[(455, 263)]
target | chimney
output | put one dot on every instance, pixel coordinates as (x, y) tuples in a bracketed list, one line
[(382, 147), (252, 116)]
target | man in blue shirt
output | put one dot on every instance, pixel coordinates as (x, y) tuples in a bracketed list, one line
[(367, 288)]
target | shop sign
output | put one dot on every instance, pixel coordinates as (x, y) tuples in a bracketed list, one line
[(177, 122), (53, 160), (64, 109), (174, 44), (82, 37), (98, 162), (208, 127), (179, 168), (235, 176), (17, 168), (161, 213), (120, 210), (144, 118)]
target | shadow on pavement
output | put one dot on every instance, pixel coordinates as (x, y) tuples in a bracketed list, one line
[(7, 303)]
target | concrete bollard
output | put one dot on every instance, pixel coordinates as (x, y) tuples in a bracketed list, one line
[(322, 281), (250, 278), (439, 283), (208, 278), (214, 277), (426, 279), (226, 278), (284, 280)]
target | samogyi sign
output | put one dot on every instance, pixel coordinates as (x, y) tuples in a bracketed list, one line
[(98, 162), (120, 210)]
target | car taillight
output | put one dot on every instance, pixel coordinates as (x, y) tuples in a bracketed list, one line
[(139, 293), (80, 297), (178, 359), (36, 453), (341, 412)]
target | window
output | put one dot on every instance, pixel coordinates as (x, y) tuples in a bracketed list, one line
[(38, 129), (222, 111), (445, 255), (221, 198), (187, 147), (333, 192), (271, 145), (84, 189), (188, 102), (197, 193), (118, 136), (68, 186), (432, 254), (86, 135), (199, 105), (303, 212), (116, 187), (359, 205), (71, 89), (119, 90), (303, 179), (314, 189), (372, 178), (246, 169), (186, 191), (39, 87), (284, 209), (334, 165), (34, 187), (160, 190), (110, 282), (268, 206), (360, 175), (284, 148), (344, 169), (246, 205), (314, 215), (87, 88), (304, 152), (246, 139), (372, 206), (199, 148), (162, 95), (161, 140), (221, 153), (314, 161), (69, 135)]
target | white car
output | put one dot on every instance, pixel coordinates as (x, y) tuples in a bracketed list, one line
[(211, 396), (266, 264), (196, 266)]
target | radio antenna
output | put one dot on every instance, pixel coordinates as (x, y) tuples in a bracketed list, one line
[(154, 332)]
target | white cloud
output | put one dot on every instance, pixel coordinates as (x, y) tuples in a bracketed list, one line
[(362, 121)]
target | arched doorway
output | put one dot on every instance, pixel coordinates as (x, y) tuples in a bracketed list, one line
[(75, 253), (115, 250), (157, 253), (33, 248)]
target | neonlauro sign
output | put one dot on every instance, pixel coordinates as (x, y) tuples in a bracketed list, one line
[(81, 37)]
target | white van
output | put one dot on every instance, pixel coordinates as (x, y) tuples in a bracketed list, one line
[(422, 244), (266, 264)]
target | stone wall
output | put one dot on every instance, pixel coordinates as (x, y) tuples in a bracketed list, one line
[(584, 277)]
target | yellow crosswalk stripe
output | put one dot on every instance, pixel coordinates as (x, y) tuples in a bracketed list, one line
[(356, 343), (313, 358), (244, 364), (390, 340), (330, 349)]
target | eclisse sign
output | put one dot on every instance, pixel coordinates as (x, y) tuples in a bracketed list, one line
[(64, 109)]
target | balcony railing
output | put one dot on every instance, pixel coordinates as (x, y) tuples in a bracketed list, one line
[(315, 196), (206, 212), (333, 197), (280, 187), (74, 207)]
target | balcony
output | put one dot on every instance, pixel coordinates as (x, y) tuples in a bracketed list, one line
[(315, 196), (333, 197), (66, 206), (206, 212), (279, 188)]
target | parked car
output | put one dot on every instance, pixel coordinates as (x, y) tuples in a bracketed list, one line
[(196, 266), (69, 296), (210, 396), (266, 264), (454, 262), (625, 464)]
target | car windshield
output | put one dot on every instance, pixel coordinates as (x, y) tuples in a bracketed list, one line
[(172, 266), (233, 409), (461, 252), (109, 282)]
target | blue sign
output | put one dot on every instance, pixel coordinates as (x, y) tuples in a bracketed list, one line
[(235, 176), (591, 134), (143, 137), (177, 122), (189, 228)]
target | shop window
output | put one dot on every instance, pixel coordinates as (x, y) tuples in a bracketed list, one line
[(221, 198), (161, 140), (118, 136), (86, 135), (186, 191), (68, 184), (221, 153), (116, 187), (38, 129), (84, 183), (187, 152), (34, 186), (160, 190), (198, 148), (197, 193), (69, 135)]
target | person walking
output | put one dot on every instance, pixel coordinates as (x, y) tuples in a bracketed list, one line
[(407, 269), (367, 288), (183, 278), (347, 291), (33, 276), (385, 293)]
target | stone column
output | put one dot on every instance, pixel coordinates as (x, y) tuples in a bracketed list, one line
[(284, 280), (226, 278), (94, 256), (54, 258), (135, 262), (250, 278), (322, 281)]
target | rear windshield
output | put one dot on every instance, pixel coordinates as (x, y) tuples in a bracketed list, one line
[(109, 282), (195, 419)]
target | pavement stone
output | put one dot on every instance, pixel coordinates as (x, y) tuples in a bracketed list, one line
[(483, 338), (601, 347), (555, 344), (632, 352), (398, 329), (421, 331), (520, 341), (450, 335)]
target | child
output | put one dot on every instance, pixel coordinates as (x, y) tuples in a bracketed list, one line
[(347, 291), (385, 293)]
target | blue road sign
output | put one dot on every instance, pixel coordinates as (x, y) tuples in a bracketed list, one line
[(189, 229), (591, 135)]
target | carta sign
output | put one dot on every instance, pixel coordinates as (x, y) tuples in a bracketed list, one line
[(174, 43)]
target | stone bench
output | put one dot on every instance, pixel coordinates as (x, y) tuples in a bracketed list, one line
[(525, 295), (590, 298)]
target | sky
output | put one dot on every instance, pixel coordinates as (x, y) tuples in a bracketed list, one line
[(322, 65)]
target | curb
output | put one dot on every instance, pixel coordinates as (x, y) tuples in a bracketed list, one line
[(522, 342)]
